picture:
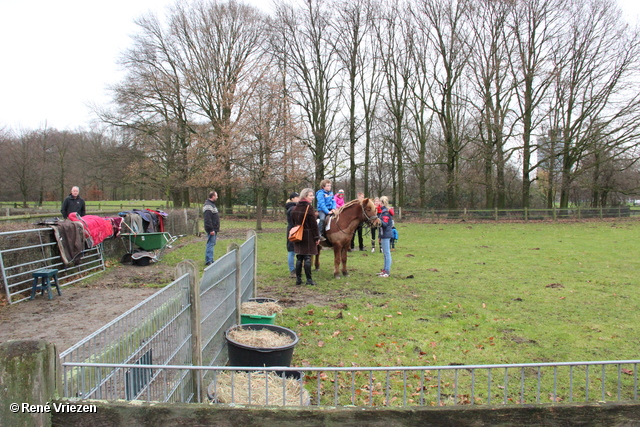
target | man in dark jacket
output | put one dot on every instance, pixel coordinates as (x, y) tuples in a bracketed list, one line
[(73, 203), (211, 225)]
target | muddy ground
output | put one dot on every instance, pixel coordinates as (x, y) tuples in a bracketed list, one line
[(86, 306), (83, 308)]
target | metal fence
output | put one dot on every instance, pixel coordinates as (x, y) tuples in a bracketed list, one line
[(182, 323), (410, 386), (25, 251)]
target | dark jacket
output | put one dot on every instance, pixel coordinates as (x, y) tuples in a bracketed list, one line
[(73, 204), (211, 217), (311, 234), (386, 219), (289, 208)]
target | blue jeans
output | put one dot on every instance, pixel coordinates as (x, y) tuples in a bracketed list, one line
[(292, 261), (321, 217), (208, 253), (386, 251)]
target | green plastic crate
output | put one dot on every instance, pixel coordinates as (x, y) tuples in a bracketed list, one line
[(256, 318)]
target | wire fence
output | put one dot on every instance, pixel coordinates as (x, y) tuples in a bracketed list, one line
[(25, 251), (406, 386), (182, 324)]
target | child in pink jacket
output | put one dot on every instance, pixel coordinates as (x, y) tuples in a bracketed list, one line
[(339, 198)]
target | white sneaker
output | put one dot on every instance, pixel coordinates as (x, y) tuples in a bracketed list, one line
[(373, 250), (381, 273), (385, 274)]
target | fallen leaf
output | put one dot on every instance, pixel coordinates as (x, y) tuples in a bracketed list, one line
[(320, 343), (310, 312), (335, 334), (381, 344), (626, 371), (484, 305)]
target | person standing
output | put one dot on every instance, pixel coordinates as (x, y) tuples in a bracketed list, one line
[(304, 215), (376, 203), (294, 198), (386, 234), (73, 203), (359, 229), (326, 204), (211, 225)]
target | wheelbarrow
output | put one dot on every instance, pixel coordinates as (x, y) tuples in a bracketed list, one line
[(144, 248)]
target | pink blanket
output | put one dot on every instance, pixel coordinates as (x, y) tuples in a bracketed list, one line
[(97, 227)]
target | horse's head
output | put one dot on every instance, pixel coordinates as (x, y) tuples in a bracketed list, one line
[(370, 213)]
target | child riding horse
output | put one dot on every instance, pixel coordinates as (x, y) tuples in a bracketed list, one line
[(341, 230)]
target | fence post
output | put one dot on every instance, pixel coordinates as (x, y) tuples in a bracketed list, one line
[(526, 213), (189, 267), (250, 234), (495, 213), (235, 247)]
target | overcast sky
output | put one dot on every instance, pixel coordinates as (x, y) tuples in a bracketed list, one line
[(59, 56)]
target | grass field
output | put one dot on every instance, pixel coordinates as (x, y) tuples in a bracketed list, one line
[(464, 293), (472, 294)]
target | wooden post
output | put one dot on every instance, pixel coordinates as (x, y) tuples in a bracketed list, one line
[(526, 214), (189, 267)]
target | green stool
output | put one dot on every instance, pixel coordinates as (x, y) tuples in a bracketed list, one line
[(45, 274)]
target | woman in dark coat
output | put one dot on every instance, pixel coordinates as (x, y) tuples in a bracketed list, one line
[(291, 203), (310, 236)]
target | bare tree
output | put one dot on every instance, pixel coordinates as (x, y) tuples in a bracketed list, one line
[(490, 49), (353, 25), (395, 38), (534, 25), (596, 90), (220, 46), (443, 23), (153, 101), (308, 49)]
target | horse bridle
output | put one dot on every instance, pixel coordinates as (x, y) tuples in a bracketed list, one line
[(369, 219)]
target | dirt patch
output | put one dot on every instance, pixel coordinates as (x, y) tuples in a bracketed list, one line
[(85, 307), (68, 318)]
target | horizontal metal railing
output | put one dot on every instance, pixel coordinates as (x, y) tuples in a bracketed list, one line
[(406, 386), (26, 251)]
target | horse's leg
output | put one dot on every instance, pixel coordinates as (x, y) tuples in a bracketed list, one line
[(345, 249), (317, 262), (336, 260)]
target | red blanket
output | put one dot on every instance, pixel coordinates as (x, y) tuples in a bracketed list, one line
[(98, 228)]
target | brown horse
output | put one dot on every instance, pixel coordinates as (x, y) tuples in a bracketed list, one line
[(342, 226)]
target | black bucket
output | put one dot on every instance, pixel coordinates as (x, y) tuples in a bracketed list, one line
[(246, 355)]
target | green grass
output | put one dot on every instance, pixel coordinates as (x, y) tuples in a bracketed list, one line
[(470, 294)]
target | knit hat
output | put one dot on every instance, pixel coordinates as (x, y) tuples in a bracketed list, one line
[(294, 194), (340, 191)]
